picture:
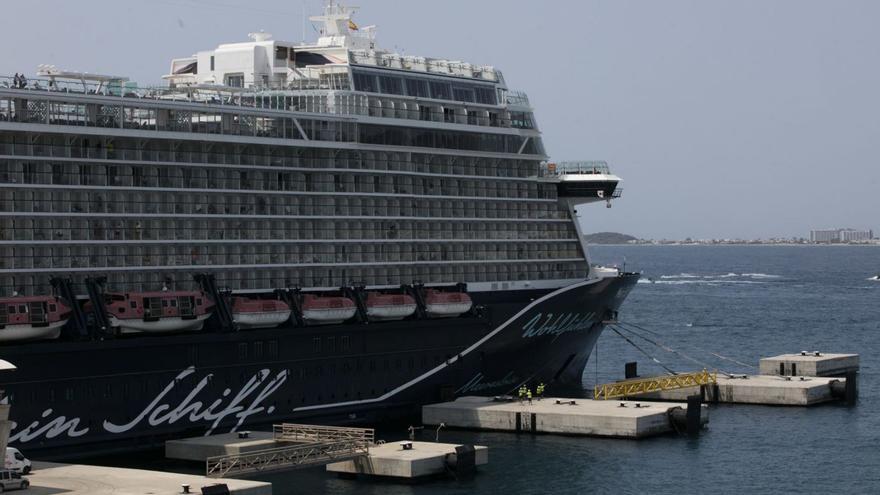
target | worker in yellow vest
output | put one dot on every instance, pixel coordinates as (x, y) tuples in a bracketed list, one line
[(529, 395), (540, 391)]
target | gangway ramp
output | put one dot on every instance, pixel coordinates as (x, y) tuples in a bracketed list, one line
[(297, 446), (638, 386)]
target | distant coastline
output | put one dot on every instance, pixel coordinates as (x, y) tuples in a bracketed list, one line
[(619, 239)]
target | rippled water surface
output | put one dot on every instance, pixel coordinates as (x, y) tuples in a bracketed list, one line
[(743, 302)]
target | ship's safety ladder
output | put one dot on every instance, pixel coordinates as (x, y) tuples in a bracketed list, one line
[(152, 308), (37, 312), (186, 307)]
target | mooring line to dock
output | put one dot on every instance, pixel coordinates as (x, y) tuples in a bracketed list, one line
[(673, 351), (652, 358), (719, 356)]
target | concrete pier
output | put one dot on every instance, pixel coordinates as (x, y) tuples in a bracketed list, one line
[(201, 448), (421, 460), (810, 364), (759, 389), (611, 418), (69, 479)]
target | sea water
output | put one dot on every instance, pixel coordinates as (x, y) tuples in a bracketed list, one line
[(742, 302)]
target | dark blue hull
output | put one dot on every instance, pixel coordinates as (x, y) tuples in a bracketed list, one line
[(94, 396)]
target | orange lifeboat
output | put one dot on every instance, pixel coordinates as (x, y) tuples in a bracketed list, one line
[(259, 313), (32, 317), (324, 310), (439, 304), (389, 307), (158, 312)]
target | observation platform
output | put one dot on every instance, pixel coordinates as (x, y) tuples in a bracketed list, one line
[(412, 460), (616, 419), (77, 479)]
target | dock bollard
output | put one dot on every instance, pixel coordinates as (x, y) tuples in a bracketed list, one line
[(184, 488), (852, 388), (694, 411)]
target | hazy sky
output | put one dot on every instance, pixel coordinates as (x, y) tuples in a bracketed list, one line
[(725, 118)]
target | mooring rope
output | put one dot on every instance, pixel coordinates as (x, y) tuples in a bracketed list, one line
[(652, 358), (673, 351), (719, 356)]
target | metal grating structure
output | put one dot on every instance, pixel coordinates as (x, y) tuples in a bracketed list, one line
[(309, 446), (629, 388)]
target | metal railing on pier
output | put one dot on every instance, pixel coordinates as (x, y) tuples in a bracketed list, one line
[(310, 445)]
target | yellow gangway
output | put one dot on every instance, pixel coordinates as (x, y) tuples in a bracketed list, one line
[(638, 386)]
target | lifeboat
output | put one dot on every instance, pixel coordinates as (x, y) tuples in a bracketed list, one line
[(324, 310), (259, 313), (158, 312), (389, 307), (32, 317), (440, 304)]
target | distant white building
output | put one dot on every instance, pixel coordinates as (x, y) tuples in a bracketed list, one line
[(841, 235)]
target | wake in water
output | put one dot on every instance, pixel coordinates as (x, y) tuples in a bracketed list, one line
[(713, 279)]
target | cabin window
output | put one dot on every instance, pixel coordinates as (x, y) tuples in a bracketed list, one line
[(317, 343), (133, 304), (174, 303), (258, 350), (417, 87), (272, 348), (22, 309), (281, 53), (463, 94), (344, 342), (441, 90), (164, 303), (391, 85), (331, 344), (52, 308), (198, 302), (235, 80), (364, 82)]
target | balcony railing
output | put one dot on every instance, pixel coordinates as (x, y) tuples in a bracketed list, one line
[(581, 167)]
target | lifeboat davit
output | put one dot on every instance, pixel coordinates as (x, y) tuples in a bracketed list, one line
[(324, 310), (259, 313), (389, 307), (156, 312), (439, 304), (32, 317)]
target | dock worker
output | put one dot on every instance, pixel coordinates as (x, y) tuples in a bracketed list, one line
[(522, 393), (529, 395), (540, 390)]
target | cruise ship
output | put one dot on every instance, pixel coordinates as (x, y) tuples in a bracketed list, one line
[(319, 232)]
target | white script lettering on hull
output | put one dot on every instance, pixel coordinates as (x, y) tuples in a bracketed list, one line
[(247, 402), (557, 325)]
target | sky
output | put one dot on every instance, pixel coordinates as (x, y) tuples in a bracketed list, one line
[(726, 119)]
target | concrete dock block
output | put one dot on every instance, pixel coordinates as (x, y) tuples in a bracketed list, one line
[(809, 364), (52, 478), (200, 448), (759, 389), (392, 460), (584, 417)]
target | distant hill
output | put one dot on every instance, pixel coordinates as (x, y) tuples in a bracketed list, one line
[(609, 238)]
